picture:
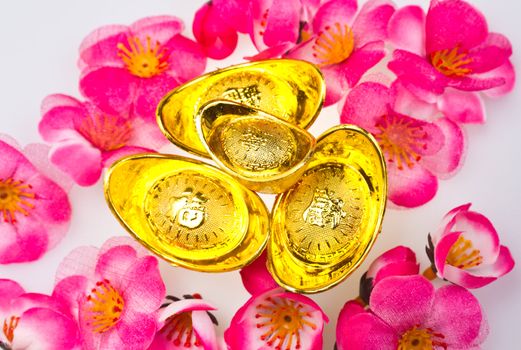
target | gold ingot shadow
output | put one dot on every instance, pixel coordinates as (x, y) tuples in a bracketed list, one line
[(324, 226), (264, 153), (291, 90), (187, 212)]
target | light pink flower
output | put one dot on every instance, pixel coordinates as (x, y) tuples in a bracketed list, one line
[(187, 325), (406, 312), (128, 69), (345, 42), (114, 293), (34, 211), (451, 46), (418, 142), (399, 261), (466, 249), (256, 277), (31, 321), (86, 140)]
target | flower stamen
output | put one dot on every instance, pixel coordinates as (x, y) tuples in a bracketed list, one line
[(421, 339), (105, 132), (14, 198), (179, 326), (334, 44), (144, 61), (104, 307), (451, 62), (9, 327), (461, 255)]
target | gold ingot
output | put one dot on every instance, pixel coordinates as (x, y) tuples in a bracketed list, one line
[(187, 212), (264, 153), (324, 226), (291, 90)]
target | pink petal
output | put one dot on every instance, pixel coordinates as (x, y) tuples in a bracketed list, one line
[(449, 159), (158, 28), (303, 300), (9, 290), (110, 157), (462, 107), (334, 11), (69, 292), (409, 104), (492, 53), (185, 305), (69, 265), (204, 329), (476, 82), (117, 241), (256, 278), (402, 301), (236, 12), (135, 330), (114, 263), (11, 159), (38, 155), (79, 160), (407, 29), (336, 84), (447, 222), (361, 60), (350, 309), (272, 52), (150, 92), (503, 265), (372, 20), (186, 60), (411, 187), (397, 254), (397, 269), (442, 249), (365, 331), (283, 22), (507, 74), (466, 279), (454, 23), (27, 240), (58, 115), (99, 48), (142, 286)]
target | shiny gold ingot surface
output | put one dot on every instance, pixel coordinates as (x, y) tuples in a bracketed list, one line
[(291, 90), (324, 226), (264, 153), (187, 212)]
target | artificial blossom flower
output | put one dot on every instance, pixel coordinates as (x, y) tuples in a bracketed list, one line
[(34, 210), (114, 294), (406, 312), (466, 250), (32, 321), (85, 139), (277, 319), (451, 46), (130, 68), (419, 143)]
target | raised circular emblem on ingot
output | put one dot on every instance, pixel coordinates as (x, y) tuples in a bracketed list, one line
[(323, 227), (187, 212), (291, 90), (264, 153)]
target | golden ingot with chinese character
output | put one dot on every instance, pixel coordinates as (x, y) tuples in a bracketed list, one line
[(291, 90), (187, 212), (323, 227), (264, 153)]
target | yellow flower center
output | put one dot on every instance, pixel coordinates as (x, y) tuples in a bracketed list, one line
[(104, 307), (451, 63), (9, 327), (282, 320), (14, 198), (178, 327), (334, 44), (461, 255), (105, 132), (421, 339), (400, 140), (144, 60)]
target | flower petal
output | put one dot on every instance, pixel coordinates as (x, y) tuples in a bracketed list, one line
[(411, 187), (136, 331), (462, 107), (100, 47), (69, 265), (27, 240), (158, 28), (185, 305), (372, 20), (186, 60), (361, 60), (150, 92), (11, 159), (334, 11), (365, 331), (466, 279), (407, 29), (503, 265), (9, 290), (79, 160), (204, 329), (507, 74), (59, 113), (442, 249), (282, 23), (350, 309), (143, 286), (114, 263), (256, 277), (492, 53)]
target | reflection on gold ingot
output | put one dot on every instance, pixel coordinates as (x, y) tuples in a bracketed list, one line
[(264, 153), (291, 90), (187, 212), (323, 227)]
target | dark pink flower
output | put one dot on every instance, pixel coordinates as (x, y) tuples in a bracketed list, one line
[(406, 312), (467, 250), (33, 321), (345, 42), (34, 211), (130, 68), (114, 294), (420, 144), (187, 325), (256, 277), (86, 140), (451, 46), (277, 319)]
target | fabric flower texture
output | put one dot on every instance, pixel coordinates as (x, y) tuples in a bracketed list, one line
[(345, 42), (34, 211), (451, 46), (419, 143), (32, 321), (406, 312), (114, 294), (466, 249), (85, 139), (128, 69)]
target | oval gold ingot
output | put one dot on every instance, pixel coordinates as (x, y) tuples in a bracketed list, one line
[(323, 227), (291, 90), (264, 153), (187, 212)]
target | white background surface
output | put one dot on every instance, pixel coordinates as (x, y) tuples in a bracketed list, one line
[(38, 53)]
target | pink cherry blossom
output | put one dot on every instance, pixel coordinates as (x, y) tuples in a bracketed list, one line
[(451, 46), (32, 321), (256, 277), (466, 250), (406, 312), (34, 210), (345, 42), (418, 142), (114, 294), (128, 69), (277, 319), (188, 324)]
